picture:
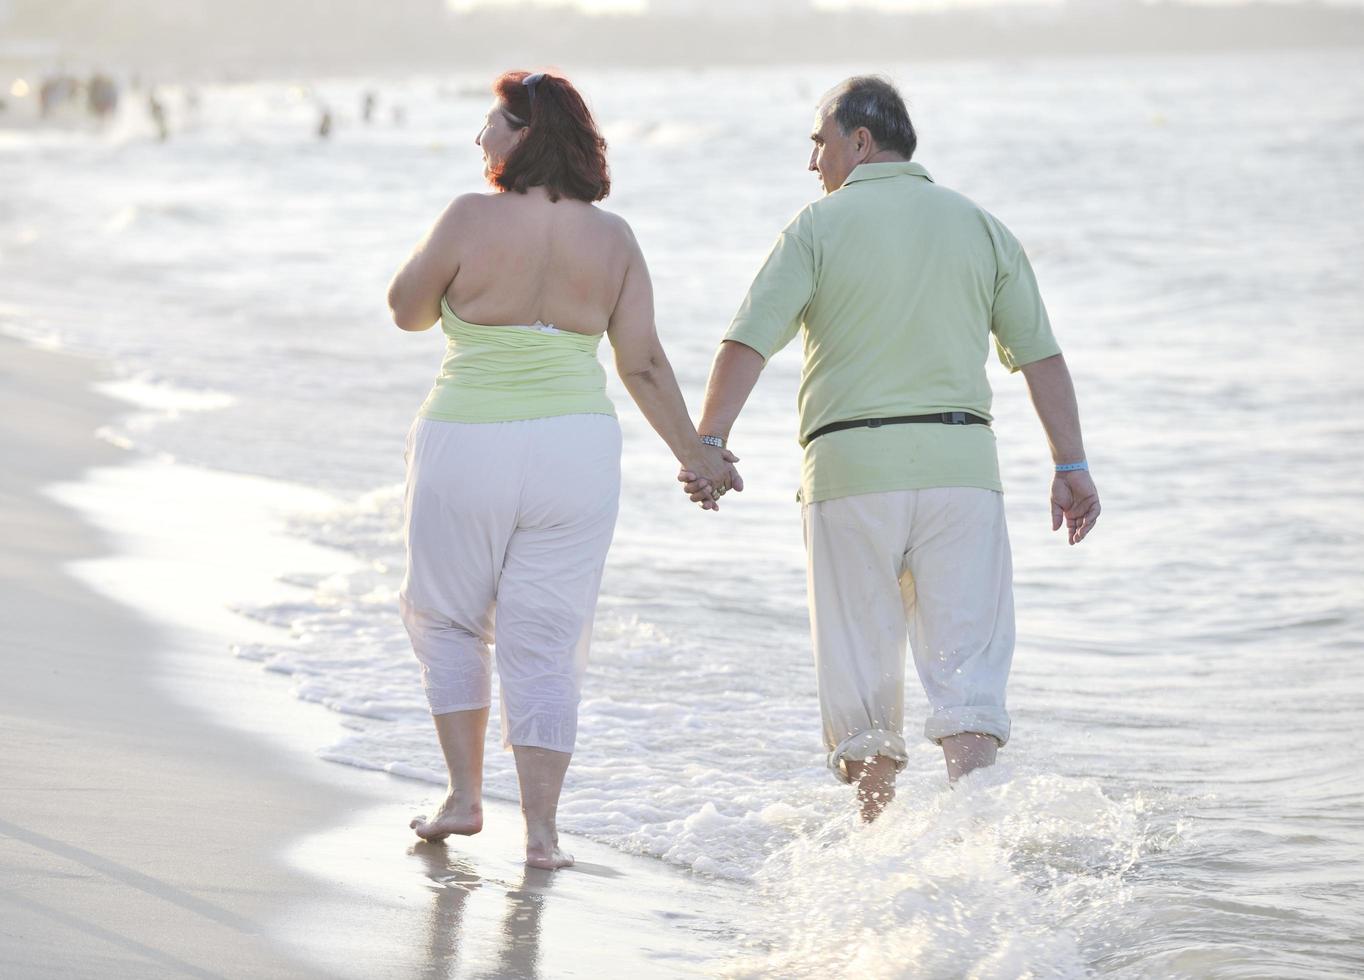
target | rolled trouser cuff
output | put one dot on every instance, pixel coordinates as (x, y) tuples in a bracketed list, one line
[(982, 719), (862, 746)]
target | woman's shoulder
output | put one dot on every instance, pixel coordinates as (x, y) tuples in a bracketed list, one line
[(614, 225), (472, 202), (463, 209)]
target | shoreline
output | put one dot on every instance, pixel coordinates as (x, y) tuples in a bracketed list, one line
[(146, 832), (96, 763)]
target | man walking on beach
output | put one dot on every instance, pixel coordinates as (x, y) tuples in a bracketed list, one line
[(897, 286)]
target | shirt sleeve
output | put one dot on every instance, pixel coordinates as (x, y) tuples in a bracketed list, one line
[(775, 306), (1018, 318)]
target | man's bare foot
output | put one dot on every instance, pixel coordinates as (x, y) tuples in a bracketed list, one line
[(455, 816), (548, 857), (872, 802), (967, 752), (875, 781)]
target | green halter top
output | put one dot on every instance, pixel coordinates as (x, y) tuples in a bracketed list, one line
[(504, 374)]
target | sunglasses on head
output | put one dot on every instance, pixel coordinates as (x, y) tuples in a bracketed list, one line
[(530, 81)]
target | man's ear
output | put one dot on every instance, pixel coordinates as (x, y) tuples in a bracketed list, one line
[(864, 142)]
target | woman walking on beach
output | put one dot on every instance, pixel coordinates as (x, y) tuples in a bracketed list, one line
[(514, 460)]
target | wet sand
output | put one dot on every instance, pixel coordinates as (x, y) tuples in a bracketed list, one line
[(142, 836)]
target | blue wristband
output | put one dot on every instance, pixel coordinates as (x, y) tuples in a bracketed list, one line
[(1071, 467)]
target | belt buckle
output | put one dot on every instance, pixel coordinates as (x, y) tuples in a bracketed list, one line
[(954, 418)]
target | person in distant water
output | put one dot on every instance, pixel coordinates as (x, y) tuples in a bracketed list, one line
[(102, 96), (514, 460), (157, 110), (367, 107), (324, 124), (55, 92), (897, 286)]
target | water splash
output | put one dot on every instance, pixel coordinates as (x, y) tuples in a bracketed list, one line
[(1012, 874)]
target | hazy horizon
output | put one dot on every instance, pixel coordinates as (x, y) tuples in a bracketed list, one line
[(208, 38), (731, 7)]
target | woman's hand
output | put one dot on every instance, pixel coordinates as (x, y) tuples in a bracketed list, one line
[(710, 476)]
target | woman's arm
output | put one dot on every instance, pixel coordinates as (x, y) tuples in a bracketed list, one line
[(415, 293), (648, 376)]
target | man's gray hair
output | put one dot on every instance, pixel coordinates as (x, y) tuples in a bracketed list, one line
[(872, 101)]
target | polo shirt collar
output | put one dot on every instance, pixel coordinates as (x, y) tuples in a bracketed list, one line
[(895, 168)]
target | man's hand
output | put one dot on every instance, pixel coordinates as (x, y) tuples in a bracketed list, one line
[(1074, 498), (707, 490), (732, 378)]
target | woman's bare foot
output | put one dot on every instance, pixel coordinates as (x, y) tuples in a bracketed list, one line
[(547, 856), (455, 816), (540, 772)]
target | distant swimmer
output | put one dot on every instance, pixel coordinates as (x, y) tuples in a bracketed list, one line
[(324, 125), (157, 111), (101, 96), (56, 91), (367, 107), (899, 287)]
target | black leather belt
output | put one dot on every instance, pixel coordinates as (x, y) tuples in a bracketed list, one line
[(942, 418)]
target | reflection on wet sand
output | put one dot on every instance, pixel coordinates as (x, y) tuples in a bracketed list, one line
[(453, 881), (519, 953), (469, 907)]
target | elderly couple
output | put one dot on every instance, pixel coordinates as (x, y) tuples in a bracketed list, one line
[(898, 288)]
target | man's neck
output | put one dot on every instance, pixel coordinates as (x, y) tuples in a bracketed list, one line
[(886, 156)]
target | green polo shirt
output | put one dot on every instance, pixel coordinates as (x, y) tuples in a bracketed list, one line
[(899, 288)]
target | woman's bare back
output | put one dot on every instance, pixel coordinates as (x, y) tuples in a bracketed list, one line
[(523, 258)]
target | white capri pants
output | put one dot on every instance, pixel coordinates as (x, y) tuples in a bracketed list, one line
[(508, 525), (932, 562)]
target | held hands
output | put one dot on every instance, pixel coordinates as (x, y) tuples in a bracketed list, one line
[(710, 476), (1075, 498)]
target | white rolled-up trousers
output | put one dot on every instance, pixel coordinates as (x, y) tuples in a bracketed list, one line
[(508, 526), (929, 565)]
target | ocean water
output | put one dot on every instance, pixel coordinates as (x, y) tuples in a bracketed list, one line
[(1179, 799)]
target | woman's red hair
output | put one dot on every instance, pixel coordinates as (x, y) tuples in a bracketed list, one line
[(563, 152)]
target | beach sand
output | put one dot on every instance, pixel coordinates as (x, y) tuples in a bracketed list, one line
[(141, 835)]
